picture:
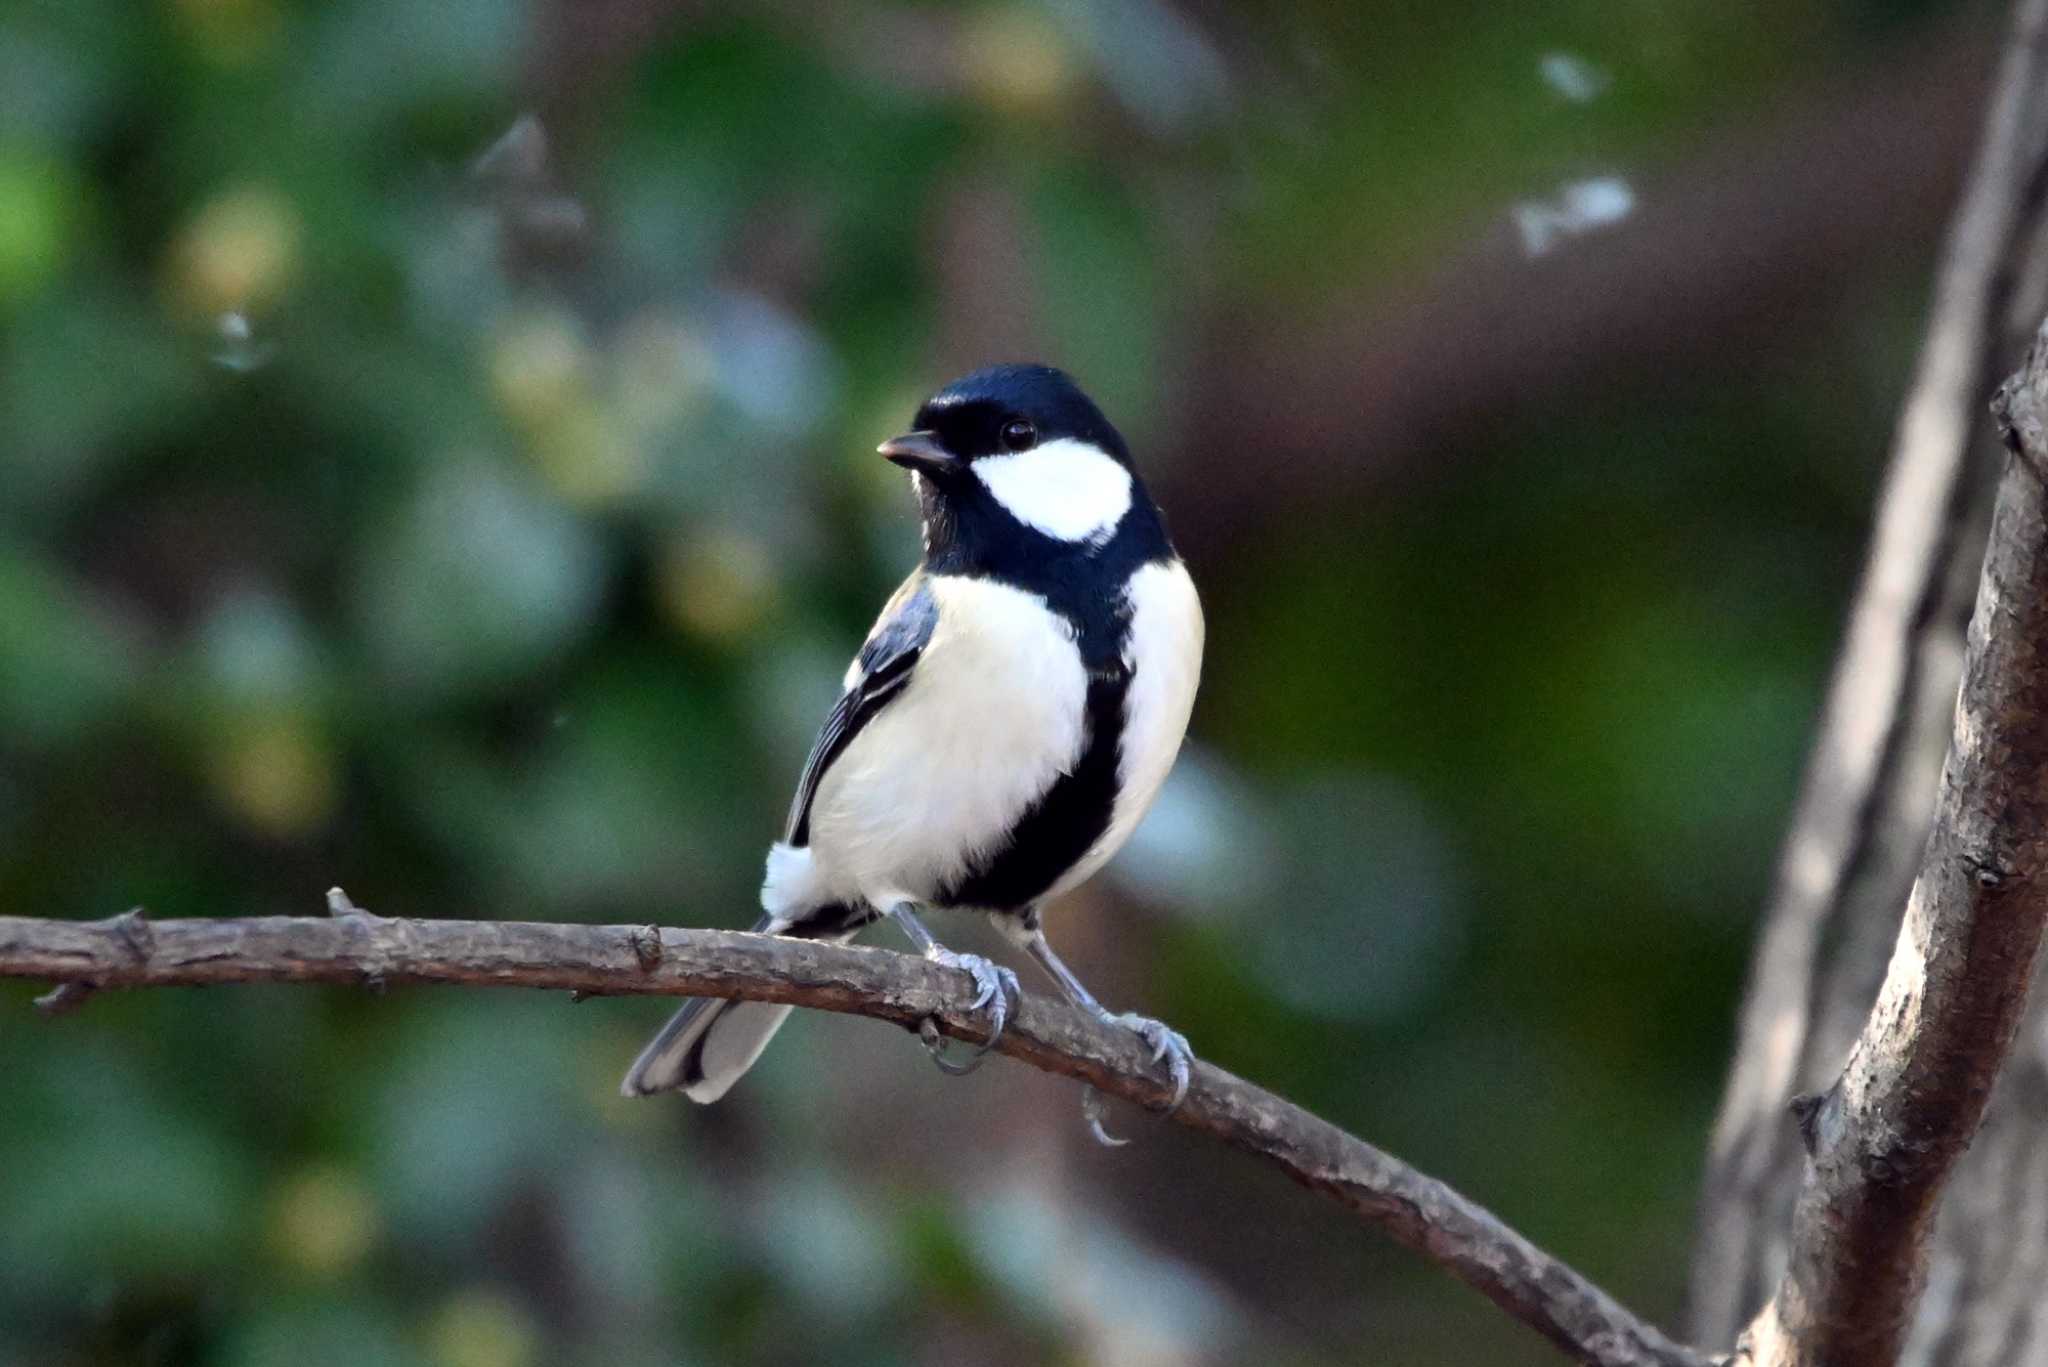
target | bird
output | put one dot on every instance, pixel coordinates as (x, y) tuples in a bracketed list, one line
[(1006, 723)]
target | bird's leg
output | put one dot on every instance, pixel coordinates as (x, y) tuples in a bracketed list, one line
[(996, 988), (1166, 1043)]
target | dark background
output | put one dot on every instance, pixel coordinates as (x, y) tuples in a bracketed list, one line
[(485, 532)]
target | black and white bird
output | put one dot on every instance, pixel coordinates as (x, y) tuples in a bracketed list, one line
[(1009, 719)]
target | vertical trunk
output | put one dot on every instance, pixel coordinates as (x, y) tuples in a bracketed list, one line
[(1863, 817)]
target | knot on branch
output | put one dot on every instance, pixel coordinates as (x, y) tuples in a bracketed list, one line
[(646, 943), (1806, 1109), (2017, 408), (131, 927), (338, 904), (375, 957), (131, 931), (1990, 871)]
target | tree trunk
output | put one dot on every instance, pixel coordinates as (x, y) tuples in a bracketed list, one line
[(1864, 812)]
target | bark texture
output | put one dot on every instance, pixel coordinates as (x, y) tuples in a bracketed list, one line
[(1861, 824), (354, 947), (1921, 1074)]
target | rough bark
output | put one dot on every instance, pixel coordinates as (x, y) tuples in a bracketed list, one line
[(357, 948), (1854, 847), (1920, 1077)]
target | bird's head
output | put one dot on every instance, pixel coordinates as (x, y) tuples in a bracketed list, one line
[(1018, 448)]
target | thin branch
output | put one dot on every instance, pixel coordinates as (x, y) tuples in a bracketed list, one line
[(1862, 815), (358, 948), (1888, 1133)]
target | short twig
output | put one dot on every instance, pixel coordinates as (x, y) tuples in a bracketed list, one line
[(64, 998)]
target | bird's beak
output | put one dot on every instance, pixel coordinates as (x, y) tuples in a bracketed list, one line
[(919, 451)]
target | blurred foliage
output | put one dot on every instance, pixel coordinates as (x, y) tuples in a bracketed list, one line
[(479, 519)]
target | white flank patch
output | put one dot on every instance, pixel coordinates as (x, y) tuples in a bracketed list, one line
[(1066, 488), (792, 886), (991, 716), (1165, 655)]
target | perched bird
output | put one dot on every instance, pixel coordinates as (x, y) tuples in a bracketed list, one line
[(1009, 719)]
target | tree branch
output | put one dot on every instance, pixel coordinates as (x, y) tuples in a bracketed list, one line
[(1852, 852), (1886, 1136), (356, 948)]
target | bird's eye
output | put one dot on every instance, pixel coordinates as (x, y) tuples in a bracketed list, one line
[(1019, 436)]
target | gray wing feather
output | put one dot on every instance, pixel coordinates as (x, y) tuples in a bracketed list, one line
[(882, 669)]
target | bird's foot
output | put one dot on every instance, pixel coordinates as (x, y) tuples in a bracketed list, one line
[(1168, 1045), (996, 990)]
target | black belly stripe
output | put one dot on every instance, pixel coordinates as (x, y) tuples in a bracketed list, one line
[(1064, 822), (1070, 816)]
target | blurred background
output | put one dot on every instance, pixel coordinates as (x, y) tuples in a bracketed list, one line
[(436, 458)]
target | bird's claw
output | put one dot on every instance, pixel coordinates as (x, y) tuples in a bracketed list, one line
[(1168, 1045), (996, 990), (1091, 1112)]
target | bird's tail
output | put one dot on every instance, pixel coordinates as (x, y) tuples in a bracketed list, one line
[(711, 1042)]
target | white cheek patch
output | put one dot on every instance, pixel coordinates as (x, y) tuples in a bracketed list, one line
[(1066, 488)]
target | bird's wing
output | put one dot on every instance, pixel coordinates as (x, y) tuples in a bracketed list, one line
[(878, 674)]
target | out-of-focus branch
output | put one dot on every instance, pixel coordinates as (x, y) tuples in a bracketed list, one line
[(1758, 224), (1885, 1137), (355, 947), (1865, 806)]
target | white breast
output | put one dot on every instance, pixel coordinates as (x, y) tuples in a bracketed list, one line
[(1165, 656), (992, 715)]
